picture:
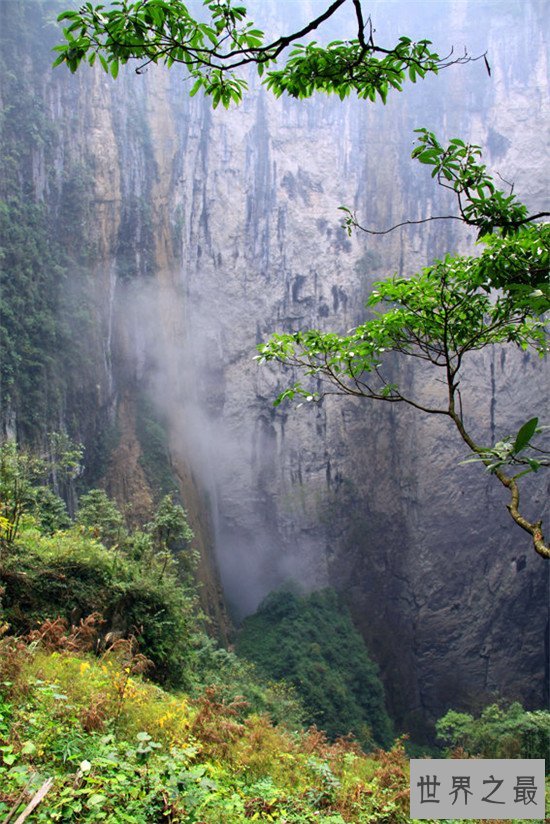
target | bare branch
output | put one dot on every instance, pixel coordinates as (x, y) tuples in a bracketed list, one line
[(361, 25), (353, 220)]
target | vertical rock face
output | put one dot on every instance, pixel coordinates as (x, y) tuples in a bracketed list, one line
[(209, 230), (86, 180), (449, 595)]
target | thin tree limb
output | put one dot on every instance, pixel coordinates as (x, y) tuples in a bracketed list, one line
[(354, 222), (35, 801)]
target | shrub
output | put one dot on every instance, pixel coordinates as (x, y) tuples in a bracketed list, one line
[(98, 512), (310, 642), (234, 677), (499, 732), (71, 575)]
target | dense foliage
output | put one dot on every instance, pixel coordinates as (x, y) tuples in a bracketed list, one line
[(53, 361), (110, 746), (214, 49), (141, 582), (45, 329), (310, 641), (89, 609), (71, 574), (499, 732)]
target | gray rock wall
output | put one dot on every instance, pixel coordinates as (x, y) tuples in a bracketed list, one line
[(448, 593)]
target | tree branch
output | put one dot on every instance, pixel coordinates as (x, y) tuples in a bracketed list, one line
[(283, 42), (533, 528), (352, 220), (360, 25)]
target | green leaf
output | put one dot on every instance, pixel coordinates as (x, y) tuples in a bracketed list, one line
[(67, 15), (525, 434), (95, 799), (196, 86)]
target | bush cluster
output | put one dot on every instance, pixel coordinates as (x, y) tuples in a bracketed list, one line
[(90, 611), (310, 641)]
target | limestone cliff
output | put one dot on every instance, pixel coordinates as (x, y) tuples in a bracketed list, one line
[(96, 159), (372, 500)]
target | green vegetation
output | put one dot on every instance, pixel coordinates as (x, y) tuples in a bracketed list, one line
[(153, 441), (89, 612), (310, 642), (89, 608), (98, 512), (118, 749), (52, 303), (499, 732), (212, 51), (441, 316), (70, 574), (46, 335), (24, 479), (121, 750), (141, 582)]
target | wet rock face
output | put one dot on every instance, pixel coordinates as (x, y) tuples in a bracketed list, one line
[(213, 229)]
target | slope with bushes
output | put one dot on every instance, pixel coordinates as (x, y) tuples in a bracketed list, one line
[(311, 642), (116, 706)]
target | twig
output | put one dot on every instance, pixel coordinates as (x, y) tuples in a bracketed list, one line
[(357, 225), (35, 801), (352, 221), (17, 803)]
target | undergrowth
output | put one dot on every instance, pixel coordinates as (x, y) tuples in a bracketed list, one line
[(119, 748)]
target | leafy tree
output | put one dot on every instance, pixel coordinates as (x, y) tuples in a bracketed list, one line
[(98, 512), (64, 458), (18, 473), (442, 315), (172, 536), (169, 527), (24, 479), (519, 260), (213, 50), (499, 732), (311, 643), (50, 510), (51, 567)]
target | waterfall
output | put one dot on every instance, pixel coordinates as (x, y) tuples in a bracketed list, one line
[(108, 352)]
